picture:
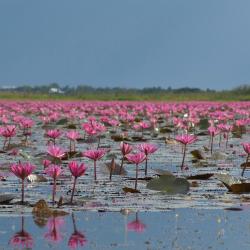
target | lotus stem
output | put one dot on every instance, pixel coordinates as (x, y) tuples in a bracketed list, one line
[(73, 190), (95, 171), (54, 192), (184, 154), (146, 166), (136, 176), (120, 170), (244, 168), (22, 199), (211, 145)]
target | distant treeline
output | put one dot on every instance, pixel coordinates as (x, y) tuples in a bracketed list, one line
[(54, 90)]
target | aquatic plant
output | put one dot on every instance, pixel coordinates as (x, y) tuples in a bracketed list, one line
[(185, 140), (147, 149), (95, 155), (125, 150), (136, 159), (76, 170), (54, 172), (22, 171), (246, 147)]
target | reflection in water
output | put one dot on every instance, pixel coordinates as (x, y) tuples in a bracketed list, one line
[(136, 225), (77, 238), (21, 238), (54, 224)]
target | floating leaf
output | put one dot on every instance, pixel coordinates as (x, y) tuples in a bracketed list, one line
[(62, 121), (138, 138), (204, 124), (197, 154), (6, 198), (233, 209), (200, 176), (163, 172), (70, 155), (147, 178), (170, 141), (227, 179), (36, 178), (25, 155), (116, 168), (71, 126), (169, 184), (240, 188), (219, 156), (243, 165), (130, 190), (41, 209), (234, 184), (165, 130)]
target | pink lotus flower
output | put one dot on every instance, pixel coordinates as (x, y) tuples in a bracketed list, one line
[(125, 148), (8, 132), (76, 170), (95, 155), (72, 135), (147, 149), (185, 140), (55, 152), (46, 163), (246, 147), (22, 171), (53, 134), (136, 159), (54, 172)]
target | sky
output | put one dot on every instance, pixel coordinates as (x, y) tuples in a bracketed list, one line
[(125, 43)]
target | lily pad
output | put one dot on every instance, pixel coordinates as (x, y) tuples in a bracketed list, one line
[(169, 185), (245, 165), (41, 209), (130, 190), (62, 121), (197, 154), (6, 198), (234, 184), (116, 168), (200, 176), (163, 172), (36, 178), (204, 124)]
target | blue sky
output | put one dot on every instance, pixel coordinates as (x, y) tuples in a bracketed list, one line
[(125, 43)]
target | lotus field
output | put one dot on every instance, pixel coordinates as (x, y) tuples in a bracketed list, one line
[(127, 157)]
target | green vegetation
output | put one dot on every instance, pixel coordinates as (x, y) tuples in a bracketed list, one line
[(83, 92)]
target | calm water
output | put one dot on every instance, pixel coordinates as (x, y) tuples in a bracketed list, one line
[(173, 229)]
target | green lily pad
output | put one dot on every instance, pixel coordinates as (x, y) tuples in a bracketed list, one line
[(204, 124), (62, 121), (169, 184)]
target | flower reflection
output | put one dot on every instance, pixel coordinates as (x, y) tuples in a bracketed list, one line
[(54, 235), (22, 238), (136, 225), (77, 238)]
